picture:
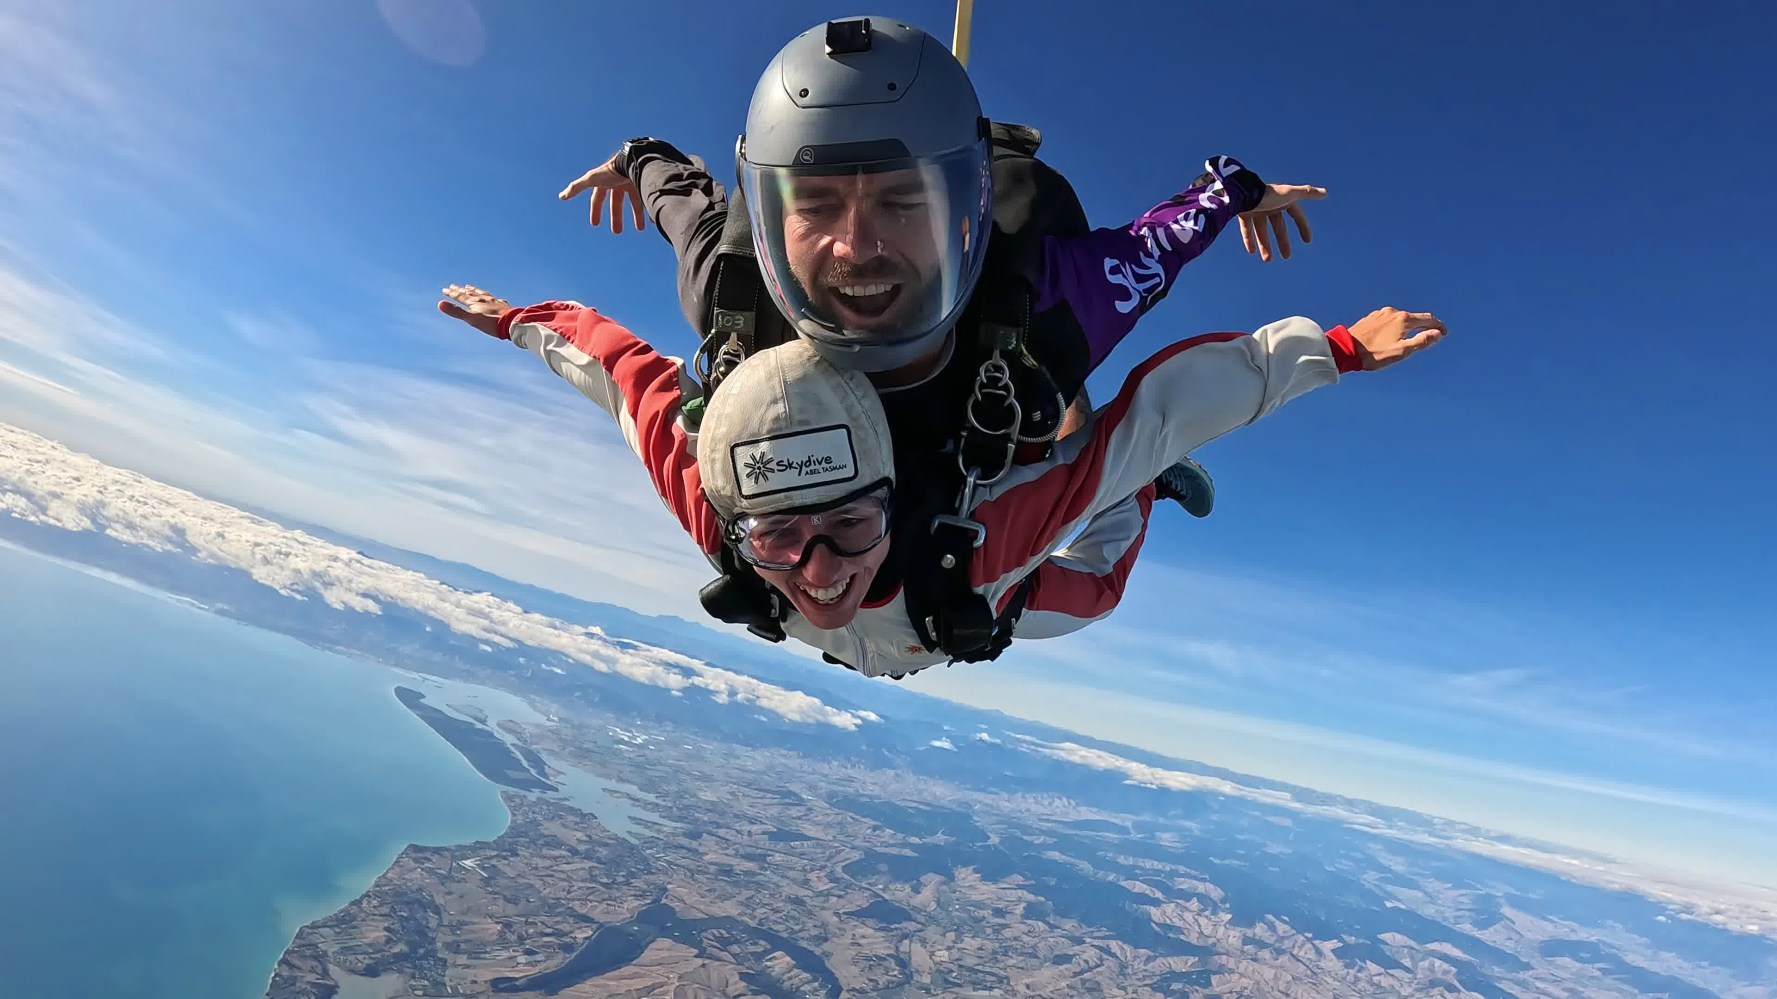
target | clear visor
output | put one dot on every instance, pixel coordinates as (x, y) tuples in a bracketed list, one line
[(783, 541), (877, 255)]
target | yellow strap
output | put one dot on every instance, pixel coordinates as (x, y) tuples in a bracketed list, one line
[(959, 43)]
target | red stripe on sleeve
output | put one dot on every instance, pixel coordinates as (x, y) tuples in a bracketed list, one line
[(1085, 595), (648, 383), (1030, 517)]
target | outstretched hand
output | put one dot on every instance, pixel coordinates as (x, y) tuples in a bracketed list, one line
[(478, 308), (1389, 335), (610, 188), (1258, 225)]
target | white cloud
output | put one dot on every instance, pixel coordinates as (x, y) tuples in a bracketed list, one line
[(45, 483), (1150, 776), (1657, 826), (942, 744)]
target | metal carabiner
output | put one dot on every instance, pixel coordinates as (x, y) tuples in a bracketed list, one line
[(993, 378)]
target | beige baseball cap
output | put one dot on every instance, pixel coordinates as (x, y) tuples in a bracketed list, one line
[(787, 430)]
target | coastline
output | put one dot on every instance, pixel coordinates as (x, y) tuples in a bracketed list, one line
[(489, 754), (372, 875)]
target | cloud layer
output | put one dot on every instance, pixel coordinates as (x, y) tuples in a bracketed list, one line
[(1748, 908), (45, 483)]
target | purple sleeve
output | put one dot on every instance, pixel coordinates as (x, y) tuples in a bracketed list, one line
[(1112, 277)]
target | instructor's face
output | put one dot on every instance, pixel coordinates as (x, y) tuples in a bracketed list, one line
[(862, 245), (829, 588)]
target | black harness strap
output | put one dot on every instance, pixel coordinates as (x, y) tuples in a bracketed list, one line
[(967, 630), (735, 304), (999, 638), (1007, 622), (734, 301)]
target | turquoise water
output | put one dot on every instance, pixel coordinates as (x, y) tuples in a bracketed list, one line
[(178, 792)]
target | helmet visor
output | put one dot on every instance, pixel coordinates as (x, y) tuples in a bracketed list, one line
[(784, 540), (872, 256)]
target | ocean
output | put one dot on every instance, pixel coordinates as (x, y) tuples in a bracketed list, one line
[(182, 792)]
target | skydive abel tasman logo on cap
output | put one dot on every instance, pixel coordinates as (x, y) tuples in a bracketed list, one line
[(788, 462)]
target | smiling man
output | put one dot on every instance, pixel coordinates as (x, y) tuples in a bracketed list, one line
[(863, 246), (873, 261)]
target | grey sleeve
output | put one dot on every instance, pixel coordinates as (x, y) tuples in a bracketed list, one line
[(689, 207)]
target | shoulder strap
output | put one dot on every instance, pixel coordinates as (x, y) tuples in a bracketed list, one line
[(734, 304), (1030, 197), (731, 329), (1032, 201)]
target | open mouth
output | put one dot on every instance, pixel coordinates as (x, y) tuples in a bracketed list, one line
[(866, 300), (826, 595)]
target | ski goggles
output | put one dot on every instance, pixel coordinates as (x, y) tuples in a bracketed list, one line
[(786, 540)]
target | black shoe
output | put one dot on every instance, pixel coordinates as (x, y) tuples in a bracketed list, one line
[(1188, 485)]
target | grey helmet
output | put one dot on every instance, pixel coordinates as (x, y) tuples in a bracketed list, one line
[(868, 177)]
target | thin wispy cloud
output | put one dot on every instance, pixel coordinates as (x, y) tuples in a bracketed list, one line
[(66, 100), (34, 381), (58, 324), (275, 332), (1183, 635), (95, 119), (528, 484)]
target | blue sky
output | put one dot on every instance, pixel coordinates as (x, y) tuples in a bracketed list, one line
[(1523, 581)]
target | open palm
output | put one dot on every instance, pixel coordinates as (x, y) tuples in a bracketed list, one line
[(1258, 226)]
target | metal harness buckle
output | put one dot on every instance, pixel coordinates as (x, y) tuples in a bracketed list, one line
[(960, 518)]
